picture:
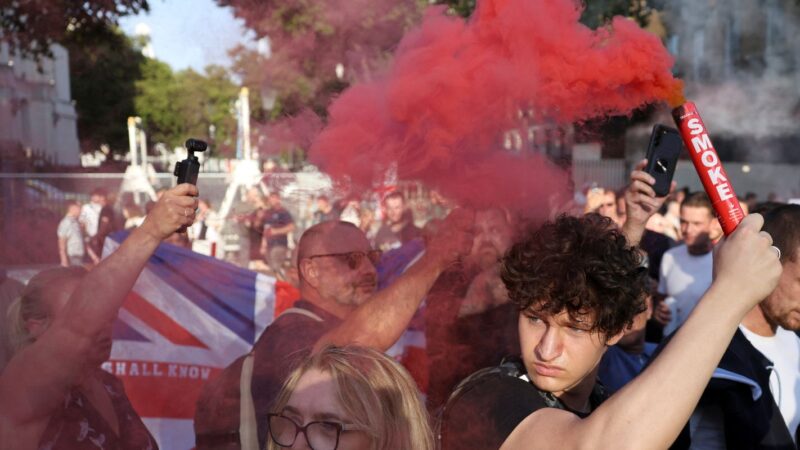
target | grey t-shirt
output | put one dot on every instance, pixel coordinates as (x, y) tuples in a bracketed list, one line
[(70, 230)]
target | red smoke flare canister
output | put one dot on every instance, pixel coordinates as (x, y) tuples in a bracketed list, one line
[(708, 166)]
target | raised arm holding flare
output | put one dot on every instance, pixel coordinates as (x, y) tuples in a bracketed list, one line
[(651, 410), (380, 321), (578, 284), (339, 306)]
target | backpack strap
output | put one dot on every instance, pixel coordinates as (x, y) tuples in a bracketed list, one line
[(248, 430), (303, 312)]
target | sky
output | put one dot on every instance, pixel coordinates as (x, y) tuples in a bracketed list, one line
[(190, 33)]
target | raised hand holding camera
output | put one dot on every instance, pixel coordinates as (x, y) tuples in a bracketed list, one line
[(188, 169), (174, 211)]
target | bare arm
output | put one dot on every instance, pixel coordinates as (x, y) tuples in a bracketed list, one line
[(380, 321), (651, 410), (37, 377), (62, 251), (486, 291), (641, 203), (95, 258), (286, 229)]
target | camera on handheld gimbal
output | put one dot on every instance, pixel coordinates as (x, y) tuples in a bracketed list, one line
[(188, 169)]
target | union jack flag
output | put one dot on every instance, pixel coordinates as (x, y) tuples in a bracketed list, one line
[(187, 317), (409, 349)]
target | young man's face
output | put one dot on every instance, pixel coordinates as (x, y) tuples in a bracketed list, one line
[(98, 199), (608, 208), (274, 201), (698, 227), (559, 352), (74, 211), (783, 304), (394, 209)]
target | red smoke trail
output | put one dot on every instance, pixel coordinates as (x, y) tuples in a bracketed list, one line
[(440, 110)]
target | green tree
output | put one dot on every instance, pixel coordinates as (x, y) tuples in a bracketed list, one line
[(32, 26), (310, 38), (599, 12), (104, 67), (175, 106), (595, 13)]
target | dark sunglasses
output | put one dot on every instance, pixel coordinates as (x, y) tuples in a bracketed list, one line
[(353, 259)]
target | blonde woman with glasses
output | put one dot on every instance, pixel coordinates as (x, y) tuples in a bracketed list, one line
[(349, 398)]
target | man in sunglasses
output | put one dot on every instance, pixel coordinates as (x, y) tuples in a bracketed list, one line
[(339, 306)]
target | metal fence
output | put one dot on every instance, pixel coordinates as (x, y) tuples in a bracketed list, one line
[(607, 173), (32, 204)]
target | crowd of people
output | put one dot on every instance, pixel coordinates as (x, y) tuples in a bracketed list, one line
[(635, 324)]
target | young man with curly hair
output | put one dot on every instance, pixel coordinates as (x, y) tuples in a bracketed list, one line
[(578, 284)]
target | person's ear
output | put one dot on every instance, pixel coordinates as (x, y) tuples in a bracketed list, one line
[(615, 338), (309, 272), (36, 327)]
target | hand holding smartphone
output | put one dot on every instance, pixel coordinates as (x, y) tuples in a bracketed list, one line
[(662, 157)]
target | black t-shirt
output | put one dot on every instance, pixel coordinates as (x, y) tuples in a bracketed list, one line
[(655, 245), (460, 346), (487, 406), (284, 344), (255, 226), (278, 218), (386, 239)]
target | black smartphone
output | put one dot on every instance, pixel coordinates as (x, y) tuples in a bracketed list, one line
[(662, 157)]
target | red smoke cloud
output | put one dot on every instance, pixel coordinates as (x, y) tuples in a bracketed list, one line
[(439, 112)]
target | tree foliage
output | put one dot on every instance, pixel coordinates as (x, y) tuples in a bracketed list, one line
[(599, 12), (595, 13), (177, 105), (309, 38), (104, 67), (31, 26)]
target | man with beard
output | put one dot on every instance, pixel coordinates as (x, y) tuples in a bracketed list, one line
[(338, 306), (686, 269), (469, 323), (398, 226), (753, 398)]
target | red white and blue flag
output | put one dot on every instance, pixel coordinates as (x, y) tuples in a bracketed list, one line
[(187, 317), (410, 348)]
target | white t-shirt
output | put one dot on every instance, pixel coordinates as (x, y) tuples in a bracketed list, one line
[(783, 350), (90, 217), (684, 278)]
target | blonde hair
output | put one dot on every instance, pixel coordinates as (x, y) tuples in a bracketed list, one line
[(32, 303), (376, 392)]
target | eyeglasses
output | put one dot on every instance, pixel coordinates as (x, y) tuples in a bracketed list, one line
[(353, 259), (320, 435)]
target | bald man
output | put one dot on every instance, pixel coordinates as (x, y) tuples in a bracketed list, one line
[(338, 306)]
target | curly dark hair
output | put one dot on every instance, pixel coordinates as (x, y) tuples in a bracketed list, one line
[(581, 265)]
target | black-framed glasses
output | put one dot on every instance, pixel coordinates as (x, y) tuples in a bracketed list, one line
[(353, 259), (320, 435)]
